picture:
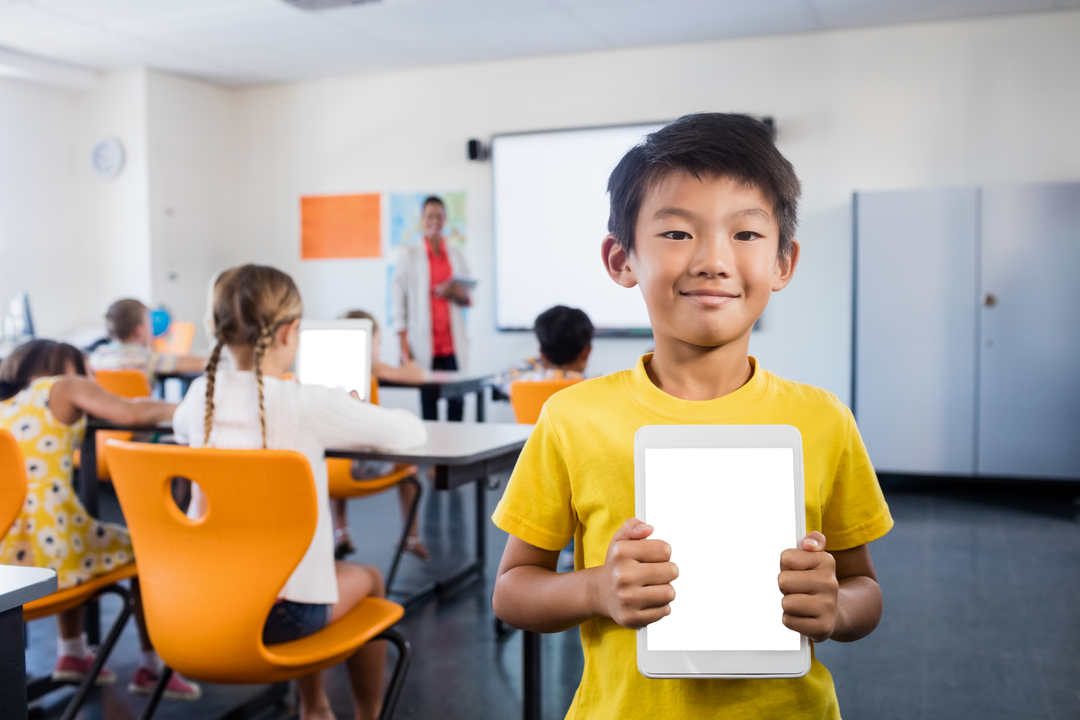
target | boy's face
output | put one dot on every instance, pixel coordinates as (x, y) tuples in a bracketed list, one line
[(705, 257)]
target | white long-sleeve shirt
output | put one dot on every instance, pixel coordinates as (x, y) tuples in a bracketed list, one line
[(305, 418)]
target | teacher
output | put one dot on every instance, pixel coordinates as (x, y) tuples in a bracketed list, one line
[(426, 306)]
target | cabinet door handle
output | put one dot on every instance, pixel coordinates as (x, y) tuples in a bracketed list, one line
[(989, 300)]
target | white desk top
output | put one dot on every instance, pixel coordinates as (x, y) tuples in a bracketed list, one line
[(20, 585), (454, 443)]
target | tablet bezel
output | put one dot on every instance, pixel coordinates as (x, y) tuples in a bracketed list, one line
[(743, 664)]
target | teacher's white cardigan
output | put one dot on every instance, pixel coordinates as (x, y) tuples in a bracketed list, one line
[(411, 301)]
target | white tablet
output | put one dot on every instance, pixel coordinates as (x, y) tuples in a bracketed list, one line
[(336, 353), (729, 501)]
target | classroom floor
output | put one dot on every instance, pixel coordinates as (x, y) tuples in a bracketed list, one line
[(982, 618)]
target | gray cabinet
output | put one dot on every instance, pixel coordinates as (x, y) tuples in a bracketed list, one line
[(967, 330)]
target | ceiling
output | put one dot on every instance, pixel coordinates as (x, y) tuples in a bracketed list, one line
[(244, 42)]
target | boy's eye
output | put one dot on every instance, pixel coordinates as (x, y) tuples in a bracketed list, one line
[(677, 235), (746, 235)]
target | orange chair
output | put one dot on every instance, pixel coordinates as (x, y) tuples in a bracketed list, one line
[(343, 485), (13, 486), (208, 585), (177, 339), (528, 397), (126, 384)]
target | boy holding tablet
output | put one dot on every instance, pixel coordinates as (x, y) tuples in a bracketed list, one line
[(702, 219)]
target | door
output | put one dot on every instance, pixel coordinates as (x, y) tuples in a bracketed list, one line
[(1029, 365), (914, 346)]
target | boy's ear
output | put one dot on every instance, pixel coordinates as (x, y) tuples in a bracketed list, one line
[(785, 267), (617, 262)]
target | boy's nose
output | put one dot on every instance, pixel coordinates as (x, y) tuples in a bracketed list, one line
[(713, 258)]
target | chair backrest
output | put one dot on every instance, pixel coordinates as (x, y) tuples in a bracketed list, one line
[(528, 397), (177, 339), (208, 584), (374, 396), (12, 481), (125, 383)]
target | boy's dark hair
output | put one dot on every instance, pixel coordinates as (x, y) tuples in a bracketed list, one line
[(564, 333), (705, 145), (37, 358), (123, 317), (433, 200)]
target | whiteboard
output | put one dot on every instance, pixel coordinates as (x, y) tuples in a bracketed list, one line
[(551, 213)]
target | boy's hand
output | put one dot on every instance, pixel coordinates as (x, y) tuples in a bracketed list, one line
[(634, 585), (808, 581)]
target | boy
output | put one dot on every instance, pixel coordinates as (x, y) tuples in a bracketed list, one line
[(565, 336), (131, 339), (702, 220)]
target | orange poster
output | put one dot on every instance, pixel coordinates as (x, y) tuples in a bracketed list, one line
[(340, 226)]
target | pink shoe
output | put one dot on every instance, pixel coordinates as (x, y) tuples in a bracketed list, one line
[(178, 688), (72, 669)]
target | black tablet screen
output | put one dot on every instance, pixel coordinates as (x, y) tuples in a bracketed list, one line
[(333, 357), (728, 512)]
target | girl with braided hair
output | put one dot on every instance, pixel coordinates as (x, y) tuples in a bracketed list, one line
[(256, 317)]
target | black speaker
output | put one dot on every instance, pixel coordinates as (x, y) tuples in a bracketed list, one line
[(478, 151)]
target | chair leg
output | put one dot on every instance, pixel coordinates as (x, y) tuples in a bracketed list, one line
[(103, 651), (401, 667), (404, 533), (155, 696)]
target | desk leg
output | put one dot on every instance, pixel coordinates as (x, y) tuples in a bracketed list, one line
[(480, 405), (12, 665), (88, 494), (429, 403), (530, 675)]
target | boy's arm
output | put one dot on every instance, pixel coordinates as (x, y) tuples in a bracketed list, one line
[(632, 587), (829, 595)]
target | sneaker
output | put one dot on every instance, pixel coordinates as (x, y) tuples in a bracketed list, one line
[(178, 688), (72, 669)]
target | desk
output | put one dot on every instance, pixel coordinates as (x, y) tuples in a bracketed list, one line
[(462, 453), (18, 586), (444, 384)]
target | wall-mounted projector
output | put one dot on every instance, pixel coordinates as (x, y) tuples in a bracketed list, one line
[(326, 4)]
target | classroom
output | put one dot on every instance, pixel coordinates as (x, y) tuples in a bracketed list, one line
[(539, 359)]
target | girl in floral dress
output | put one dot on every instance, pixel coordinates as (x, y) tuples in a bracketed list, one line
[(44, 398)]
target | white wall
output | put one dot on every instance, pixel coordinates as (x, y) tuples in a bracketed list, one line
[(937, 104), (190, 132), (38, 244)]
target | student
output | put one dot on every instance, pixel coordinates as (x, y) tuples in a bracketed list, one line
[(370, 469), (131, 341), (565, 336), (45, 397), (703, 215), (257, 317)]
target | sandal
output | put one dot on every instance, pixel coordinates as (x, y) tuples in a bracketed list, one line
[(415, 546), (343, 544)]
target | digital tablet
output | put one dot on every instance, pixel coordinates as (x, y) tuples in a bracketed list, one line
[(347, 355), (336, 353), (729, 501)]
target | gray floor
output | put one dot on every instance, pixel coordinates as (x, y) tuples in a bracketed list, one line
[(982, 618)]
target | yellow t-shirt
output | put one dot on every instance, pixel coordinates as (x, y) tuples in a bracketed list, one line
[(575, 479)]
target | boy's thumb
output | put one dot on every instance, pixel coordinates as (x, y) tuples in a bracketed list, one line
[(813, 542), (633, 529)]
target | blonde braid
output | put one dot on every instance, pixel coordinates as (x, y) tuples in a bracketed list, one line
[(266, 337), (211, 375)]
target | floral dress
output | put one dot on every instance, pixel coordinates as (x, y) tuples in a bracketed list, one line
[(54, 530)]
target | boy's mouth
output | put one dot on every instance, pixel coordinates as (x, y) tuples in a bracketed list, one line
[(710, 298)]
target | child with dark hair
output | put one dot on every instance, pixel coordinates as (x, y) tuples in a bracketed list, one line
[(45, 397), (703, 215), (565, 336), (130, 346)]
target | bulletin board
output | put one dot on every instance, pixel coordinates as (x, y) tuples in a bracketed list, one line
[(340, 226)]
